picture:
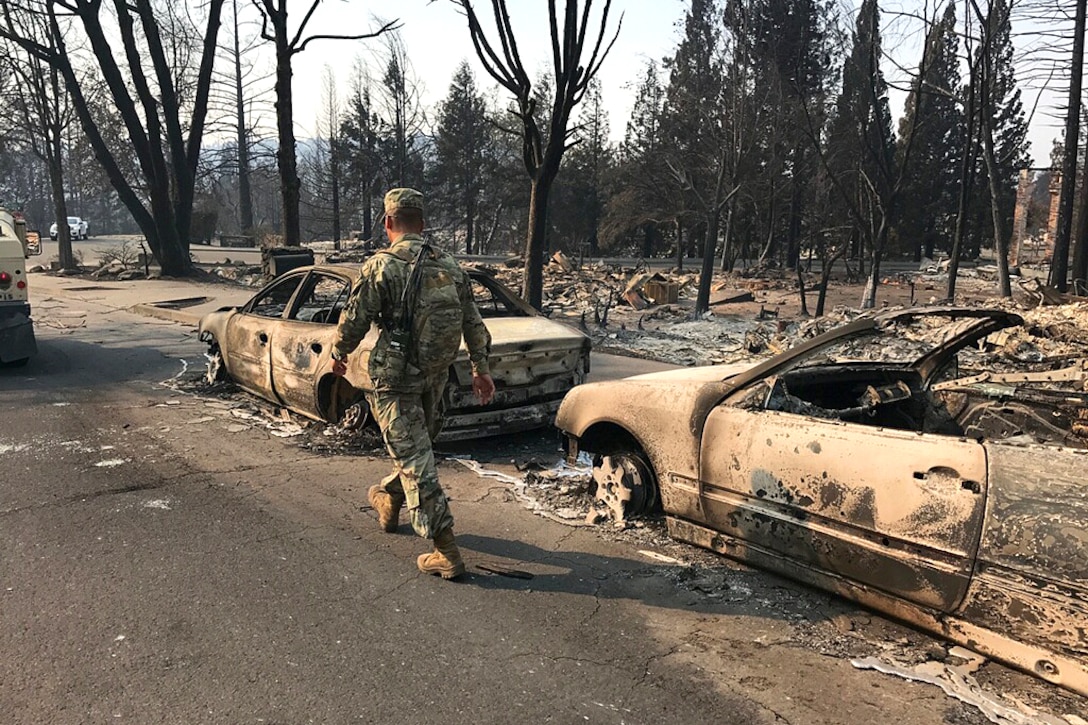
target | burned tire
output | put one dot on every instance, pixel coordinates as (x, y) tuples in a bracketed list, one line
[(216, 372), (355, 416), (625, 482)]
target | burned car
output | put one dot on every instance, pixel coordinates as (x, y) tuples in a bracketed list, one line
[(278, 346), (873, 461)]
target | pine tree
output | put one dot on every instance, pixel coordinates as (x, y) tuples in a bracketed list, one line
[(861, 146), (791, 54), (639, 202), (461, 160), (692, 99), (359, 153), (575, 216), (933, 126)]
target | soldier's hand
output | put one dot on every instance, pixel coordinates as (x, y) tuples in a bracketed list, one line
[(339, 368), (483, 387)]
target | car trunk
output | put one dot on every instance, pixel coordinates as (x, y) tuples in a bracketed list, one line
[(536, 363)]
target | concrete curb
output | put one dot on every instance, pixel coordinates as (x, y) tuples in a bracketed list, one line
[(182, 317)]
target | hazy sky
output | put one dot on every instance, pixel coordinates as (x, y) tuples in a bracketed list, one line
[(436, 37)]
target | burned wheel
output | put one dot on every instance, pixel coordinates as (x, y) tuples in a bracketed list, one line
[(355, 416), (216, 372), (625, 483)]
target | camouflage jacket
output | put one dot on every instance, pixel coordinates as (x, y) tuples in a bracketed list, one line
[(376, 299)]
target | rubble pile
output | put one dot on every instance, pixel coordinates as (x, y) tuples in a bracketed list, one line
[(247, 275)]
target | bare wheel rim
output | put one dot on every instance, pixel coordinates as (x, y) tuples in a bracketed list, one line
[(216, 372), (624, 484), (355, 416)]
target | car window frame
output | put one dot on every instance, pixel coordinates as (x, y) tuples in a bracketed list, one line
[(311, 279), (498, 289), (291, 301)]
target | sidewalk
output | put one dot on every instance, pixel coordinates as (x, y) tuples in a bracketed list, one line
[(175, 300)]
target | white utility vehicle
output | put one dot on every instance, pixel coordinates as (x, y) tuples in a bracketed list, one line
[(17, 342)]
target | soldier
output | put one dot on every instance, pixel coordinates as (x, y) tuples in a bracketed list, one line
[(422, 302)]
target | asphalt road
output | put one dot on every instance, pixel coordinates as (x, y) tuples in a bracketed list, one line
[(167, 561)]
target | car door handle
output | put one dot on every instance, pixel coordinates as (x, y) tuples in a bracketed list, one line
[(316, 347), (263, 337)]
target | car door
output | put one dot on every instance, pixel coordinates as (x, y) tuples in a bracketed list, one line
[(247, 351), (302, 343), (895, 510)]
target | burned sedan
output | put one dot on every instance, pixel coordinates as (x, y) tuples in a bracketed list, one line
[(873, 461), (278, 346)]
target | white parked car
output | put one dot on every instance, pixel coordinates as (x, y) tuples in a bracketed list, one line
[(77, 228)]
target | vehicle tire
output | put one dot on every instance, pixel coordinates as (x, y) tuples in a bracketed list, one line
[(217, 372), (625, 482), (53, 237)]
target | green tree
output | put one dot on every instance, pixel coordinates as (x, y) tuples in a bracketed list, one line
[(461, 159), (360, 157), (639, 201), (860, 149), (792, 50), (934, 115), (692, 102), (580, 190)]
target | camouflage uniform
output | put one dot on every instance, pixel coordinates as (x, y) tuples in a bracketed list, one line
[(407, 398)]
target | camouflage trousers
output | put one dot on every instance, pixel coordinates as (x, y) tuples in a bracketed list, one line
[(409, 422)]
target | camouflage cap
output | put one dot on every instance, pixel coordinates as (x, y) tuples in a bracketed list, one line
[(403, 198)]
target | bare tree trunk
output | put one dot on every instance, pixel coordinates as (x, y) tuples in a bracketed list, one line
[(1059, 267), (868, 300), (334, 163), (967, 182), (827, 265), (727, 245), (1080, 249), (702, 299), (60, 207), (769, 247), (1001, 242), (679, 245), (532, 288), (801, 291), (470, 227), (793, 238), (290, 185), (245, 192)]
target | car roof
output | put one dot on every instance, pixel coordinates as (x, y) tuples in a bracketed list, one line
[(351, 271)]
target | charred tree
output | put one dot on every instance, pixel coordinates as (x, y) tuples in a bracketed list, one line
[(274, 29), (542, 149), (245, 192), (1059, 269), (39, 112), (150, 108)]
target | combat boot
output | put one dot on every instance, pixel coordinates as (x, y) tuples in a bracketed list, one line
[(445, 560), (388, 507)]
